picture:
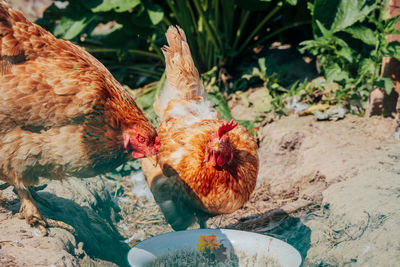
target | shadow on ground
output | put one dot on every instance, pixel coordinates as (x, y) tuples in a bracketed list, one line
[(100, 238)]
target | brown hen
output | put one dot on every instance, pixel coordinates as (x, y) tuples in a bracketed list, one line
[(61, 112), (206, 166)]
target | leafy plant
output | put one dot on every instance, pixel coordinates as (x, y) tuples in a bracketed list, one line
[(126, 35), (260, 75), (221, 30), (350, 42)]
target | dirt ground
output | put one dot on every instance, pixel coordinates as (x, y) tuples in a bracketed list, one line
[(331, 189)]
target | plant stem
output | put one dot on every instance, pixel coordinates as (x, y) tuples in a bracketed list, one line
[(213, 37), (216, 12), (240, 29), (263, 22), (167, 21), (158, 51), (172, 7), (135, 68), (192, 16), (287, 27), (227, 12)]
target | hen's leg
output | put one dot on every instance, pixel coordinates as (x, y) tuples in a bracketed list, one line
[(29, 210), (202, 223), (32, 215)]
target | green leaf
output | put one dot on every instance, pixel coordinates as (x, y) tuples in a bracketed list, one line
[(247, 124), (365, 34), (262, 65), (392, 50), (386, 83), (69, 28), (325, 32), (347, 53), (220, 104), (350, 12), (107, 5), (390, 24), (367, 67), (292, 2), (125, 5), (337, 15), (333, 72), (155, 13), (263, 101)]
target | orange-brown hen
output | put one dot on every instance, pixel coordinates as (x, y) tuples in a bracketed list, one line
[(206, 166), (61, 112)]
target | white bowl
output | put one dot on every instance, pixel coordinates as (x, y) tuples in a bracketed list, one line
[(244, 248)]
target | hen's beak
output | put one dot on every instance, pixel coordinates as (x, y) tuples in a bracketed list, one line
[(217, 147), (154, 160)]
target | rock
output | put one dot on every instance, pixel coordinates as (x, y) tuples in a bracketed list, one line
[(375, 103), (332, 114), (295, 106)]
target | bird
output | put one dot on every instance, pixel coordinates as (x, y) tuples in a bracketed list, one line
[(206, 165), (62, 113)]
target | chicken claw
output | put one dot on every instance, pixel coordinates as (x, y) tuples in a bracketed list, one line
[(30, 212)]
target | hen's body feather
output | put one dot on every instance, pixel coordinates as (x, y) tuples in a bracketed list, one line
[(184, 184), (61, 112)]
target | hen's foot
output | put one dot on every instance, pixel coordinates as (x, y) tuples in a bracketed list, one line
[(34, 218), (30, 212)]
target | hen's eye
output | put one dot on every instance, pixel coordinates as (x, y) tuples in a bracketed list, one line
[(141, 139)]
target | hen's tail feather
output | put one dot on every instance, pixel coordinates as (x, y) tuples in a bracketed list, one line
[(182, 74)]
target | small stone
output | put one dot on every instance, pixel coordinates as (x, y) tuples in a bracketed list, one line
[(36, 232)]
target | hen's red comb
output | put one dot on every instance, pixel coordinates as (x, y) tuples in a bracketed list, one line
[(224, 128)]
